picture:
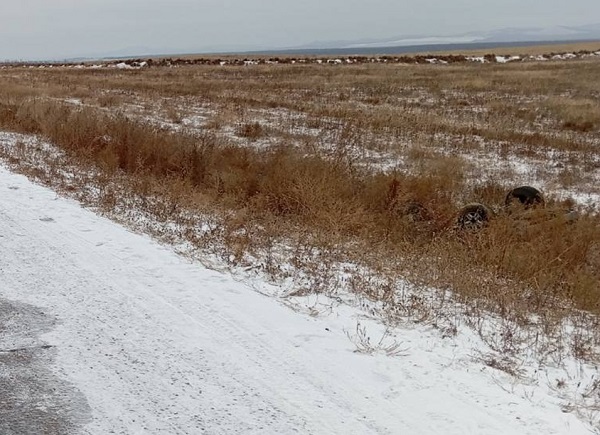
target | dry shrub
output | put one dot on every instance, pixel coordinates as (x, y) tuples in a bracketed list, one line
[(251, 130), (548, 253), (109, 100), (574, 113), (173, 113)]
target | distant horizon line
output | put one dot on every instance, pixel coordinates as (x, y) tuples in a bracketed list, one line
[(332, 51)]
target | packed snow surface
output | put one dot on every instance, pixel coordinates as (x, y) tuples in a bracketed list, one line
[(157, 344)]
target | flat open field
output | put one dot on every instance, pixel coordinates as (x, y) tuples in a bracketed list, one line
[(344, 182)]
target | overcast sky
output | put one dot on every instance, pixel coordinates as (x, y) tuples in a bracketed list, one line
[(34, 29)]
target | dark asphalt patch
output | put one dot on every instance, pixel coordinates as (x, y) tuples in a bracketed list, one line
[(33, 399)]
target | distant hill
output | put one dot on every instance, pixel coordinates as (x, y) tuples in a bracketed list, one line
[(524, 35)]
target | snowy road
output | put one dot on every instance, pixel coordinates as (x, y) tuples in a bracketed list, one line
[(145, 342)]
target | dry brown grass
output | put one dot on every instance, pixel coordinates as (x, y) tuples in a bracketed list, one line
[(317, 184)]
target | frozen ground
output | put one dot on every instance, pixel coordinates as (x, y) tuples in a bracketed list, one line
[(105, 331)]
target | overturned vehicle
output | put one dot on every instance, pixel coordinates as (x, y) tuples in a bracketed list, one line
[(521, 202)]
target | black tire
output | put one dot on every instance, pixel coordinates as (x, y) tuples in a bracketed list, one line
[(525, 196), (473, 216)]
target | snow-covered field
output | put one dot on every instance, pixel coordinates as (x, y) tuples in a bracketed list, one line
[(118, 334)]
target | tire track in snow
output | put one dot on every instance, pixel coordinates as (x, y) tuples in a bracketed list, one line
[(138, 312), (236, 341)]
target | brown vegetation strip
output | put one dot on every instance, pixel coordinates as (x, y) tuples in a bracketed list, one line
[(392, 213)]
